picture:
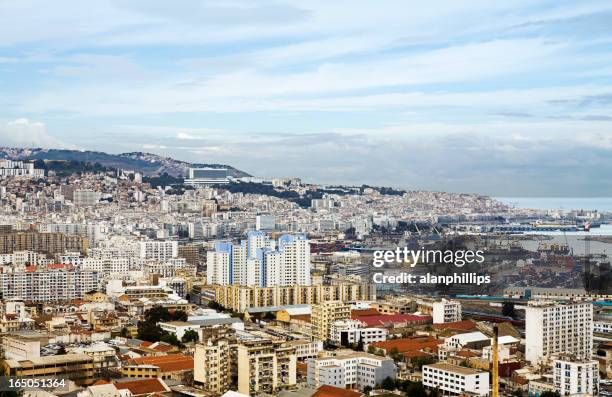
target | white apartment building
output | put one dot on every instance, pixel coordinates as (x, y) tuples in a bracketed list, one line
[(305, 348), (454, 379), (576, 377), (48, 285), (348, 369), (345, 332), (259, 261), (92, 232), (158, 250), (85, 197), (602, 327), (475, 340), (558, 327), (265, 222), (9, 168), (446, 311)]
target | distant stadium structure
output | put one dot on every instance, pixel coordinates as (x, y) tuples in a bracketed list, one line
[(206, 176)]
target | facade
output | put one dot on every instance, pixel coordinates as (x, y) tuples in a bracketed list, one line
[(16, 347), (19, 169), (454, 379), (446, 311), (346, 332), (158, 250), (213, 360), (325, 314), (265, 367), (265, 222), (260, 261), (576, 377), (200, 177), (350, 370), (48, 286), (85, 197), (52, 243), (563, 327), (79, 367), (240, 298), (92, 232)]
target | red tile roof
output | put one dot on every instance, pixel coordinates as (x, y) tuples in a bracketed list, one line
[(465, 325), (412, 344), (169, 363), (142, 386), (364, 312), (385, 320), (333, 391)]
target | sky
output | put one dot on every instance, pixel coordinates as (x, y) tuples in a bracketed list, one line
[(507, 98)]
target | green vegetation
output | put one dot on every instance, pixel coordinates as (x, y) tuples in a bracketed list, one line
[(171, 339), (190, 336), (149, 330), (418, 362), (508, 309), (65, 168), (412, 389), (162, 180)]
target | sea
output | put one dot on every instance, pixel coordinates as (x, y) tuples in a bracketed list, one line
[(601, 204)]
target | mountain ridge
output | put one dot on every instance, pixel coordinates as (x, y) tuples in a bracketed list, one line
[(148, 164)]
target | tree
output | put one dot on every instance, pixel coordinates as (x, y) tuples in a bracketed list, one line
[(149, 330), (371, 349), (388, 383), (171, 339), (416, 389), (190, 336), (508, 309), (418, 362), (550, 394), (367, 390), (395, 354)]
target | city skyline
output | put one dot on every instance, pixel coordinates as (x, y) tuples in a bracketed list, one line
[(501, 99)]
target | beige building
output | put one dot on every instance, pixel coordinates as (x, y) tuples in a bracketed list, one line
[(265, 366), (78, 367), (325, 314), (240, 298), (16, 347), (213, 362)]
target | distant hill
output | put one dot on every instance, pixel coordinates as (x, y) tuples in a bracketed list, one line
[(147, 163)]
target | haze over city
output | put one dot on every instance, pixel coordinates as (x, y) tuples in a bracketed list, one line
[(505, 98)]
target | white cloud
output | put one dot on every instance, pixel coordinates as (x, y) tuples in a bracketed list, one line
[(25, 133)]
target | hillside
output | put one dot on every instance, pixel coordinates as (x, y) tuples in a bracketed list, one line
[(146, 163)]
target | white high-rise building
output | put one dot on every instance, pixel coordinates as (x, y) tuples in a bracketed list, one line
[(85, 197), (265, 222), (158, 250), (576, 377), (446, 311), (9, 168), (258, 261), (558, 327)]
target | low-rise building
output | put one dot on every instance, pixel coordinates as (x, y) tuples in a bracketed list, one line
[(348, 369), (454, 379)]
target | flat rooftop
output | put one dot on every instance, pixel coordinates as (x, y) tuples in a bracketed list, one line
[(455, 368)]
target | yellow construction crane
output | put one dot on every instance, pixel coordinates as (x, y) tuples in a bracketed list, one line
[(495, 370)]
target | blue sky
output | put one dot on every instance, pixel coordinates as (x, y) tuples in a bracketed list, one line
[(504, 98)]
